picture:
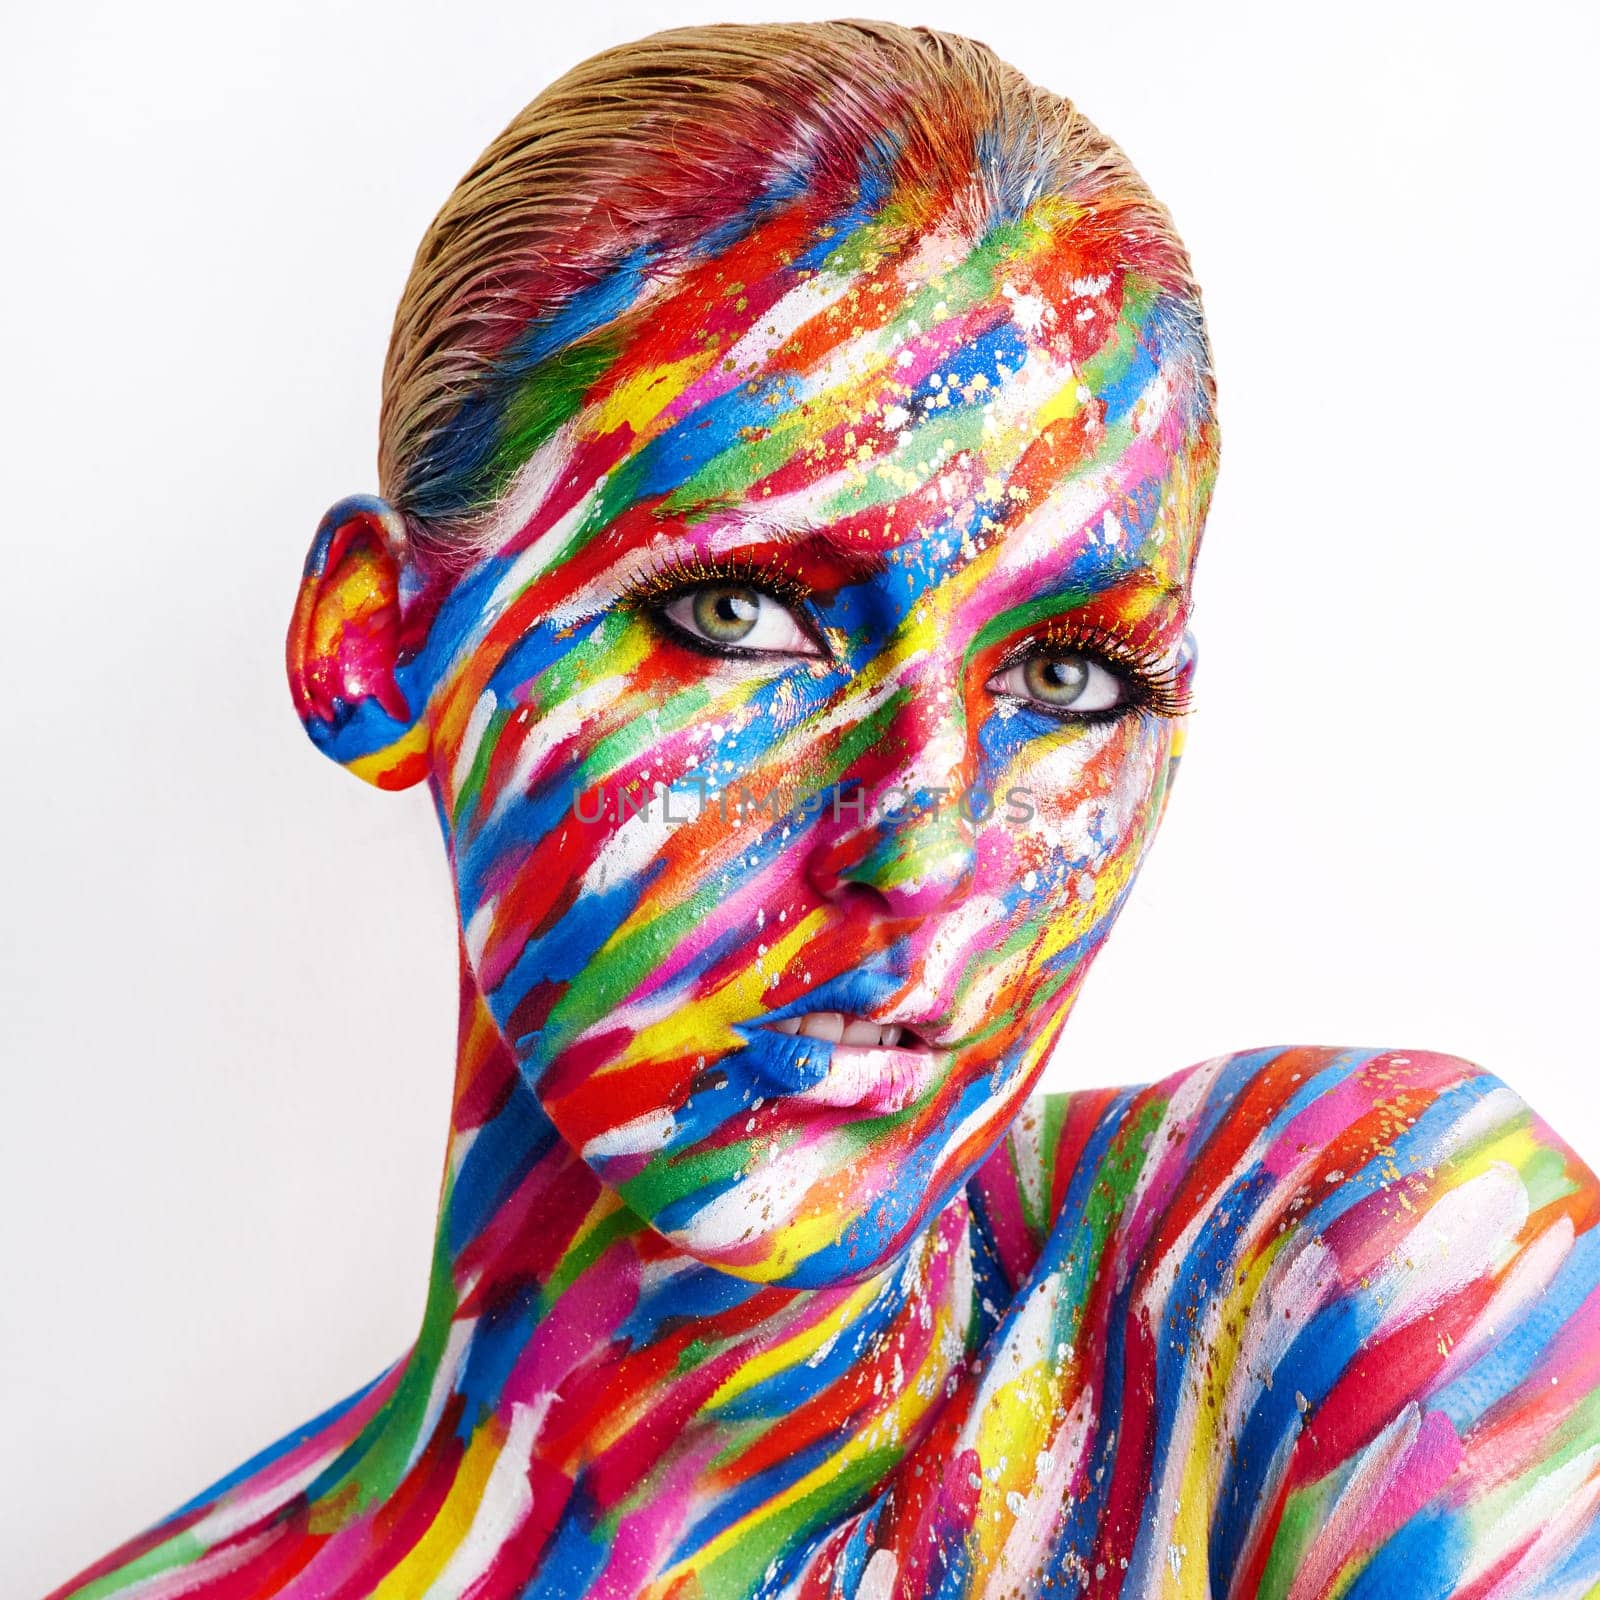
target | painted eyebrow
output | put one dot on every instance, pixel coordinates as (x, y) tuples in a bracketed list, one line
[(1163, 589), (862, 564), (832, 549), (1170, 603), (842, 562), (1127, 580)]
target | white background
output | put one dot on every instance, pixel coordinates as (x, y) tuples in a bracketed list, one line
[(227, 992)]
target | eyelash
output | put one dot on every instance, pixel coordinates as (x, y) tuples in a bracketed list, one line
[(1156, 685), (1157, 682), (672, 576)]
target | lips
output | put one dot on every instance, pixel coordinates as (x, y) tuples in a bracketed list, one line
[(871, 1066)]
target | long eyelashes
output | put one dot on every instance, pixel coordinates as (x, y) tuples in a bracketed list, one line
[(1157, 681), (672, 575)]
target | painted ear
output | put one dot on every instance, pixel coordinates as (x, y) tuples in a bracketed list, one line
[(344, 646)]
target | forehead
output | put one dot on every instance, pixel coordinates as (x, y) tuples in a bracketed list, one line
[(891, 383)]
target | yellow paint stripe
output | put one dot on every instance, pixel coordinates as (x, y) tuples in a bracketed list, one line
[(372, 767), (636, 403), (685, 1028), (1517, 1147), (428, 1556), (793, 1351)]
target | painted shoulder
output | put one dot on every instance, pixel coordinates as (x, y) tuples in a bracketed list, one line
[(1216, 1111), (224, 1541), (1303, 1321)]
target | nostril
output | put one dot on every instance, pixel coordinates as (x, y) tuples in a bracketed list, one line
[(855, 897)]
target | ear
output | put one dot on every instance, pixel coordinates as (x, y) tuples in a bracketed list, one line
[(345, 644)]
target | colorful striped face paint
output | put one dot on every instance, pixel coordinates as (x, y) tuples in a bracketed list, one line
[(825, 654)]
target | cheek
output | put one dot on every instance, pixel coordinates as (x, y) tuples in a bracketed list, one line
[(562, 835), (1097, 807), (588, 805), (1047, 887), (1093, 800)]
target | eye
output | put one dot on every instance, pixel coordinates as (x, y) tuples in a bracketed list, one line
[(1064, 682), (740, 619)]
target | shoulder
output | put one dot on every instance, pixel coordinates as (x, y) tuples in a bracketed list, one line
[(1357, 1119), (242, 1536), (1322, 1315)]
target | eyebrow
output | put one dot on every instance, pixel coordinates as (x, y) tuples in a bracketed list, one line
[(862, 564), (850, 563), (1130, 578), (857, 563), (841, 563), (846, 563)]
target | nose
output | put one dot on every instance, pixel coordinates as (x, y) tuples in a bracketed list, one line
[(902, 836)]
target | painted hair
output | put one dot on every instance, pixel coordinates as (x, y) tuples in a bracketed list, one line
[(651, 157), (656, 154)]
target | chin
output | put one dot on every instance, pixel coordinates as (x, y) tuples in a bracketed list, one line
[(853, 1233)]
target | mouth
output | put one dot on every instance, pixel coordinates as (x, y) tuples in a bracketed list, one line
[(871, 1066), (838, 1027)]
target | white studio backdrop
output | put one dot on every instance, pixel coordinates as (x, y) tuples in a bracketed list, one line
[(227, 994)]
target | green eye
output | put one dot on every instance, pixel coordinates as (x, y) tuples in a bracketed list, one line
[(726, 612), (1064, 682), (1056, 680), (740, 618)]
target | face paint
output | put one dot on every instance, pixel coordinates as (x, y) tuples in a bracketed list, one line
[(825, 653), (824, 657)]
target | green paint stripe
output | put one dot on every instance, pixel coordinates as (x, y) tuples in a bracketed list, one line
[(588, 1249), (739, 1570), (550, 395), (176, 1552)]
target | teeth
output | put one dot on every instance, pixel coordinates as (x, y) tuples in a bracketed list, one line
[(828, 1025), (835, 1028)]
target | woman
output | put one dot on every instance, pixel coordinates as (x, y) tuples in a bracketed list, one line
[(796, 446)]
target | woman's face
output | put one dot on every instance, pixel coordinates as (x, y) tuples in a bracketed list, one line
[(824, 675)]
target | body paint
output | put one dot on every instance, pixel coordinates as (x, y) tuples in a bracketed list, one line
[(1293, 1325), (719, 1312)]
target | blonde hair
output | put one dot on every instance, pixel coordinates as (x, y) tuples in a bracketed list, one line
[(642, 153)]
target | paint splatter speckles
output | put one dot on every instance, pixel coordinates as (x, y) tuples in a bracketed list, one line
[(974, 524), (725, 1302)]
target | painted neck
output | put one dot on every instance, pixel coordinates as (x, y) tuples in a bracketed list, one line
[(629, 1379)]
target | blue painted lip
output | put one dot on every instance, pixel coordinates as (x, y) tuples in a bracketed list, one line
[(771, 1062), (779, 1063)]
